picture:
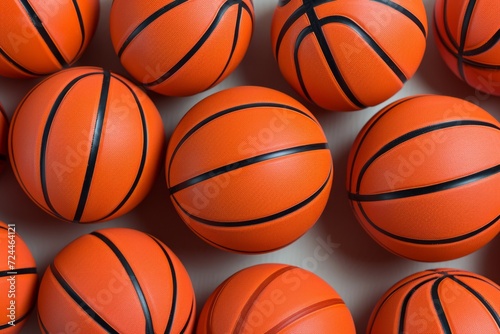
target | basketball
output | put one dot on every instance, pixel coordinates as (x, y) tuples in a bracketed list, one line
[(116, 280), (41, 37), (18, 280), (275, 298), (348, 54), (423, 177), (4, 133), (249, 169), (438, 301), (180, 48), (466, 34), (86, 145)]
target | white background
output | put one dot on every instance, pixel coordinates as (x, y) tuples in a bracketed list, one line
[(358, 268)]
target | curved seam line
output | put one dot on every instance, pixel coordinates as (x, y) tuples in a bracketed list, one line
[(261, 220), (133, 280), (223, 113), (80, 302), (145, 145), (220, 14), (427, 242), (45, 138), (244, 163), (144, 24), (413, 134), (94, 146)]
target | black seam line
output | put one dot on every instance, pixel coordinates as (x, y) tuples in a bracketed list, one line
[(413, 134), (144, 150), (291, 20), (367, 131), (396, 289), (18, 320), (406, 300), (210, 242), (17, 65), (150, 19), (297, 316), (241, 6), (45, 139), (247, 307), (133, 279), (476, 64), (405, 193), (262, 220), (316, 27), (94, 146), (457, 273), (406, 13), (369, 40), (44, 33), (188, 320), (463, 37), (482, 300), (217, 294), (485, 47), (446, 25), (40, 322), (82, 26), (11, 145), (225, 112), (454, 53), (246, 162), (16, 272), (441, 38), (428, 242), (298, 71), (445, 326), (190, 54), (80, 302), (235, 42), (171, 316)]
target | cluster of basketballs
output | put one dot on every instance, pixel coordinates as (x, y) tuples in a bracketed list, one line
[(86, 144)]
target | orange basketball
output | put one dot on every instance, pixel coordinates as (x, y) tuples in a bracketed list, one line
[(42, 37), (423, 177), (18, 280), (180, 48), (348, 54), (116, 280), (85, 145), (275, 298), (466, 34), (249, 169), (438, 301), (4, 132)]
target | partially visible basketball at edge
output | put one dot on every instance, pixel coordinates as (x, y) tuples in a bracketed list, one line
[(466, 34), (41, 37), (348, 54), (275, 298), (442, 300), (423, 177), (18, 280), (114, 281), (180, 48), (4, 133)]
